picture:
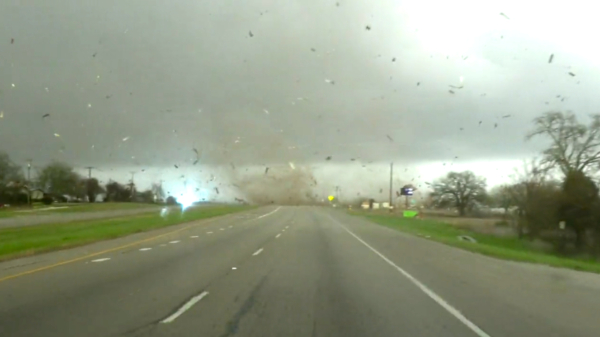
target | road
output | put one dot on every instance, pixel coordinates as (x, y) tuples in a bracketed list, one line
[(289, 271)]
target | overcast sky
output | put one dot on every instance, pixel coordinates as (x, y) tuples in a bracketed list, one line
[(137, 84)]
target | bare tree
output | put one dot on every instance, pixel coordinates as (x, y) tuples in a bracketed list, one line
[(460, 189), (574, 147)]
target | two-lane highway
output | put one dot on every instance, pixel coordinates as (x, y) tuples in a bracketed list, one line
[(289, 271)]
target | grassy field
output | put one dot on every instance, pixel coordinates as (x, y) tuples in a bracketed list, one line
[(30, 240), (501, 247), (41, 209)]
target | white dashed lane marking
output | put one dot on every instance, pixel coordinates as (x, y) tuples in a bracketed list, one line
[(257, 252), (185, 307), (194, 236), (101, 260), (208, 232), (221, 229), (144, 249), (278, 235), (176, 241)]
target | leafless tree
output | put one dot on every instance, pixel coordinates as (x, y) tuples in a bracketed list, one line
[(574, 146)]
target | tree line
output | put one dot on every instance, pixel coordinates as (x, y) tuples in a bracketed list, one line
[(58, 181), (554, 198)]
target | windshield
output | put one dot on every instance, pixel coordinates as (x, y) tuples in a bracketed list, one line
[(476, 118)]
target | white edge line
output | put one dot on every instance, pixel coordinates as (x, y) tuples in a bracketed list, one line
[(144, 249), (278, 235), (453, 311), (176, 241), (185, 307), (257, 252), (208, 232), (101, 260), (265, 215)]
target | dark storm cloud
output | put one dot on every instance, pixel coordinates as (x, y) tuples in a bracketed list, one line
[(144, 83)]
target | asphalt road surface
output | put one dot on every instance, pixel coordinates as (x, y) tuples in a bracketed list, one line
[(289, 271)]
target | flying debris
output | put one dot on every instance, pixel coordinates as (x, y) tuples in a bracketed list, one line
[(390, 138), (330, 81), (418, 84), (232, 166), (176, 166), (328, 158), (195, 151), (495, 125), (94, 54), (313, 49), (450, 91), (46, 115), (480, 122), (551, 58), (250, 33), (570, 73), (266, 170), (126, 138), (196, 161), (352, 159), (217, 190), (394, 59), (56, 135), (12, 41), (505, 116), (292, 165), (368, 27), (266, 111), (455, 87), (504, 15)]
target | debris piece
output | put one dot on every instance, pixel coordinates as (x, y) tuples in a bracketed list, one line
[(466, 238), (551, 58), (328, 158), (495, 125), (176, 166), (504, 15), (292, 165), (126, 138), (394, 59), (313, 49), (570, 73), (217, 190), (368, 27), (12, 41), (480, 122), (266, 170), (250, 33), (450, 91), (46, 115), (418, 84), (56, 135), (390, 138), (505, 116), (196, 161), (455, 87), (94, 54)]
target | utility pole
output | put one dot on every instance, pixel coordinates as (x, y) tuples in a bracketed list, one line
[(391, 185), (90, 171)]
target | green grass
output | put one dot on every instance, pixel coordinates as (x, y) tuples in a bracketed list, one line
[(40, 209), (509, 248), (98, 206), (30, 240)]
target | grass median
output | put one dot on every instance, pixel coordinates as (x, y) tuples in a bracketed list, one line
[(509, 248), (31, 240), (40, 209)]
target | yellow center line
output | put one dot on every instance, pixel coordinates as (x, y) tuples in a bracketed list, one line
[(103, 252)]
